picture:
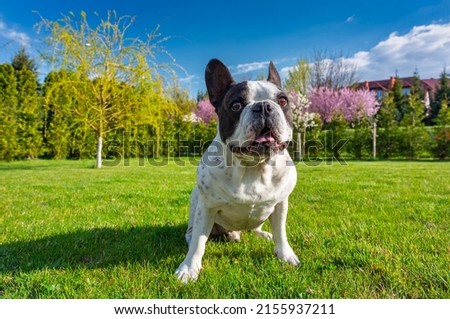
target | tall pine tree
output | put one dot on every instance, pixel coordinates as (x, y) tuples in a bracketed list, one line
[(398, 98), (8, 109), (441, 96), (416, 86), (29, 113), (413, 133), (388, 134), (442, 138), (22, 60)]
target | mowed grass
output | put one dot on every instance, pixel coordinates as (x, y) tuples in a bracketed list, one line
[(361, 230)]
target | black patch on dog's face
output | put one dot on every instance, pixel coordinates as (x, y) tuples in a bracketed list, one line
[(228, 116)]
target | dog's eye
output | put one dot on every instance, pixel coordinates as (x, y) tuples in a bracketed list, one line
[(236, 106), (282, 101)]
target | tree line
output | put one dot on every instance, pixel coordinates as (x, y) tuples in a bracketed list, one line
[(409, 129), (61, 118), (105, 97), (350, 122)]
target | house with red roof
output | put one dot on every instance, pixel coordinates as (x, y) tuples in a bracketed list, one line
[(381, 86)]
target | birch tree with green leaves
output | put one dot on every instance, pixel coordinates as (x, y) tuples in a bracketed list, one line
[(114, 78)]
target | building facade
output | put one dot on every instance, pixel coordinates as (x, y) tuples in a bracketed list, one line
[(380, 87)]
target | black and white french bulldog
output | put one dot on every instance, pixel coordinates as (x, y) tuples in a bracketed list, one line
[(246, 174)]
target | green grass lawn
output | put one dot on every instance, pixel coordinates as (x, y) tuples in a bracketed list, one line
[(362, 230)]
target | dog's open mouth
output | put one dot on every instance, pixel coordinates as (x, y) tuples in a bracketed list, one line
[(265, 143)]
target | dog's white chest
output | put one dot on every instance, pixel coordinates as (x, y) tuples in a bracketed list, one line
[(241, 216), (243, 198)]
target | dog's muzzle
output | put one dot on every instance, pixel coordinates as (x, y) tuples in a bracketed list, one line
[(265, 143)]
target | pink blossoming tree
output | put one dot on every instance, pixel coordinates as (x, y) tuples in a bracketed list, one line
[(353, 105), (205, 111)]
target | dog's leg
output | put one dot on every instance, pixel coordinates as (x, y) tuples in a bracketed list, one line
[(190, 267), (278, 222), (261, 233), (192, 210)]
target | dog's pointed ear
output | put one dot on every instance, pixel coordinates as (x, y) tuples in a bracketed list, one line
[(218, 79), (274, 77)]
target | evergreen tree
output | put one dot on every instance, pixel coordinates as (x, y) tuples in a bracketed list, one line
[(416, 86), (8, 109), (58, 118), (414, 112), (29, 117), (22, 60), (398, 98), (413, 136), (443, 118), (442, 147), (28, 112), (388, 132), (201, 95), (442, 94)]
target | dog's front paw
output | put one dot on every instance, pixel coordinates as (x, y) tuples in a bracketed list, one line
[(186, 273), (288, 255)]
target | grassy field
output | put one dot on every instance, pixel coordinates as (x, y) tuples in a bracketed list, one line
[(361, 230)]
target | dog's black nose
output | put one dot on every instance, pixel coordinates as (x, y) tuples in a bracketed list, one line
[(264, 107)]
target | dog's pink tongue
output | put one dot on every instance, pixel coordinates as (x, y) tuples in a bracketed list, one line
[(265, 138)]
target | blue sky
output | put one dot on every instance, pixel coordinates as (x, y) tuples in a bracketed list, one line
[(381, 37)]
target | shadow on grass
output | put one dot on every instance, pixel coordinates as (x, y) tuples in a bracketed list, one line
[(24, 167), (96, 248), (45, 164)]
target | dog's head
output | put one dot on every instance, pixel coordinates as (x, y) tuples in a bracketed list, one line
[(255, 117)]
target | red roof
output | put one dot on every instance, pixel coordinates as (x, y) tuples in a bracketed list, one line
[(429, 85)]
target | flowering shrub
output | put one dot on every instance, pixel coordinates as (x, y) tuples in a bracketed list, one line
[(302, 118), (353, 105), (205, 112)]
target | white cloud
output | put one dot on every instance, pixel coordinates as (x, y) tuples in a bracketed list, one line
[(426, 48), (249, 67), (350, 19), (11, 34), (361, 59)]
